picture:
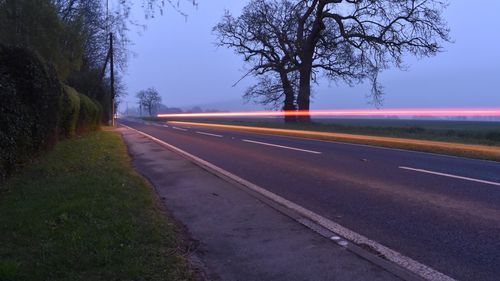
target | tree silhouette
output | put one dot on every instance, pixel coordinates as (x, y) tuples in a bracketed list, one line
[(149, 99)]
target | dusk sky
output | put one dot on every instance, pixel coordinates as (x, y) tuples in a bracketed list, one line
[(179, 58)]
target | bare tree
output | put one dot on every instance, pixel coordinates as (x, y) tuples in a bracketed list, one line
[(263, 35), (375, 34), (269, 92), (149, 99), (346, 40)]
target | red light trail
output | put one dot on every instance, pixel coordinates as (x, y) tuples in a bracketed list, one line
[(491, 112)]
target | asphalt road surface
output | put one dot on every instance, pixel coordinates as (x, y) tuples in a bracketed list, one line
[(439, 210)]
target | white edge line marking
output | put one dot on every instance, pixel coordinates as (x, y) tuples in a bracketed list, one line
[(282, 146), (450, 175), (208, 134), (180, 129), (422, 270)]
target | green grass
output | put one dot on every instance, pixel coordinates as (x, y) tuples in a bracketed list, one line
[(82, 213), (468, 132)]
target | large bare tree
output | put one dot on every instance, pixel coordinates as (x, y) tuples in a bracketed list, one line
[(377, 33), (263, 34), (347, 40)]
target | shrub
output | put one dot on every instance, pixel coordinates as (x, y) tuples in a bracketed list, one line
[(98, 117), (29, 107), (15, 144), (38, 90), (70, 110), (90, 114)]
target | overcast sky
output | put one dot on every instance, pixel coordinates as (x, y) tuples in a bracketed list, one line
[(179, 58)]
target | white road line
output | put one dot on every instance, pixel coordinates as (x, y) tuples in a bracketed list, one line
[(408, 263), (450, 176), (166, 126), (282, 146), (208, 134), (180, 129)]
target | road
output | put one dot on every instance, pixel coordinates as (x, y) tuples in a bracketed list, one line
[(439, 210)]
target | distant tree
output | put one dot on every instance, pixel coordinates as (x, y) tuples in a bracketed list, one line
[(195, 109), (149, 99), (165, 109)]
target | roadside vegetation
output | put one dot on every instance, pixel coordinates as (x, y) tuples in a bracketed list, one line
[(36, 109), (81, 213), (52, 81)]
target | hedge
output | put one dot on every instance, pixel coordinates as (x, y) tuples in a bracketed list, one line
[(70, 111), (29, 113), (35, 109), (90, 114), (38, 90), (15, 124)]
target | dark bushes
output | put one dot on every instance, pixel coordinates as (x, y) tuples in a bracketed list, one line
[(37, 88), (79, 114), (90, 114), (30, 93), (70, 110), (34, 109), (15, 124)]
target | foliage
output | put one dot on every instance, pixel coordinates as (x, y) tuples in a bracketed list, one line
[(70, 111), (89, 116), (15, 124), (30, 105), (35, 24), (73, 35), (35, 110), (82, 213), (37, 88)]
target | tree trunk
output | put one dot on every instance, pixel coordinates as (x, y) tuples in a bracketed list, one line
[(289, 104), (303, 98)]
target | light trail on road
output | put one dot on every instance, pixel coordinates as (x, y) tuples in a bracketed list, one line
[(368, 139), (478, 112)]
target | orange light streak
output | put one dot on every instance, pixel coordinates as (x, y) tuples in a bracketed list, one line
[(493, 152), (494, 112)]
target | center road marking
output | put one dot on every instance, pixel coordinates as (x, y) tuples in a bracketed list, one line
[(282, 146), (180, 129), (450, 175), (208, 134)]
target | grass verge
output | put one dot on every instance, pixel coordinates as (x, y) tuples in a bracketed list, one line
[(82, 213), (488, 152)]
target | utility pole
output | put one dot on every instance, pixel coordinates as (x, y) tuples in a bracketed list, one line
[(112, 79), (111, 68)]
